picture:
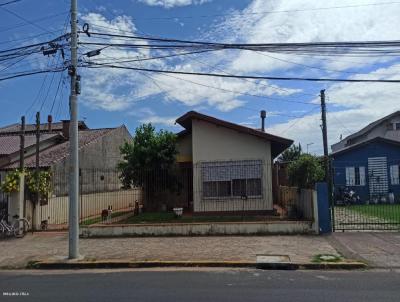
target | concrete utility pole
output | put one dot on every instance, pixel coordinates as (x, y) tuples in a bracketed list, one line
[(73, 141), (328, 177)]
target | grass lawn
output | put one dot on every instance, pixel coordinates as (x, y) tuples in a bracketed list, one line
[(389, 212), (168, 217), (98, 219)]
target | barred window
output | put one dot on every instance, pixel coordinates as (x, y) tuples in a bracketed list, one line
[(232, 179)]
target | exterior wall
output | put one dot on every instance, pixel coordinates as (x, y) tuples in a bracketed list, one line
[(379, 131), (199, 229), (214, 143), (184, 146), (101, 157), (359, 157)]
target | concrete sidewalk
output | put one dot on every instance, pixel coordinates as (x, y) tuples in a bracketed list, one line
[(377, 249), (17, 253)]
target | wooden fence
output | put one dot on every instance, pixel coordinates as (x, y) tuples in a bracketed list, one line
[(297, 202)]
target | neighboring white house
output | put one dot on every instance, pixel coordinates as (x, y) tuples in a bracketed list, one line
[(232, 164)]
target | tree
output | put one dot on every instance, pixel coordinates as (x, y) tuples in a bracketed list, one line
[(148, 162), (291, 154), (306, 171)]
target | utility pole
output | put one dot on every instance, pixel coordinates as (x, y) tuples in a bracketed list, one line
[(22, 159), (22, 145), (73, 140), (328, 176), (36, 169)]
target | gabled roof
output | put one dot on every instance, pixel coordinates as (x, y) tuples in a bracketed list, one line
[(58, 152), (11, 143), (371, 126), (361, 144), (278, 144), (55, 127)]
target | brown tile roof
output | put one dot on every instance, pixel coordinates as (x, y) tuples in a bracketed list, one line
[(56, 153), (278, 144), (11, 143), (56, 127)]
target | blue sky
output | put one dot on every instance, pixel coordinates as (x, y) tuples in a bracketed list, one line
[(110, 98)]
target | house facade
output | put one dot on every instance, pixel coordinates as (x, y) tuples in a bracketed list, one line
[(98, 153), (232, 164), (367, 161)]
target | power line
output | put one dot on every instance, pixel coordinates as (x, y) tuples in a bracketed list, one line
[(287, 46), (33, 21), (314, 67), (55, 95), (9, 2), (28, 73), (98, 65), (137, 59), (250, 81), (223, 89), (299, 119), (264, 12), (24, 19)]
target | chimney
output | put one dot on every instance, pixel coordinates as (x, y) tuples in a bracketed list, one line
[(49, 121), (65, 128), (263, 115)]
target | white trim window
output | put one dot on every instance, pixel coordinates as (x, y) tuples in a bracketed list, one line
[(394, 174), (232, 179), (355, 176)]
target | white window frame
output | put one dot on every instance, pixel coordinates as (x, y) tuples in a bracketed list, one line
[(351, 176), (394, 174)]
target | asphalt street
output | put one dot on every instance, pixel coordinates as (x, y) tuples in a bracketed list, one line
[(200, 285)]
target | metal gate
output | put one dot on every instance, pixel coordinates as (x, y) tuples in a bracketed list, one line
[(380, 211)]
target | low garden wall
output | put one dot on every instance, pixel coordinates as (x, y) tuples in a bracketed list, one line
[(198, 229)]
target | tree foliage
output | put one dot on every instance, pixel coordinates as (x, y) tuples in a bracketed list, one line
[(306, 171), (148, 161), (291, 154)]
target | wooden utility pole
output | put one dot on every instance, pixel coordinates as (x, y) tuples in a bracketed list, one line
[(22, 159), (22, 145), (36, 201), (328, 175)]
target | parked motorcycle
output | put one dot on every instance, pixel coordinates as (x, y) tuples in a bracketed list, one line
[(347, 197)]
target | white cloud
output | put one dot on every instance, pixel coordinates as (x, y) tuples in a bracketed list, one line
[(351, 106), (345, 24), (173, 3), (354, 104)]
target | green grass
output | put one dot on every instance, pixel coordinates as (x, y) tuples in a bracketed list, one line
[(320, 258), (98, 219), (389, 212), (168, 217)]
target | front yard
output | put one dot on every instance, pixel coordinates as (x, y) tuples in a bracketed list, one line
[(388, 212), (168, 217)]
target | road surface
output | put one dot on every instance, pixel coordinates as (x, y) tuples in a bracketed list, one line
[(200, 285)]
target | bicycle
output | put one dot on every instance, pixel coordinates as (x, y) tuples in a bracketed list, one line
[(17, 229)]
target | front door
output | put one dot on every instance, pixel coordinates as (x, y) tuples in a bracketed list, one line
[(378, 177)]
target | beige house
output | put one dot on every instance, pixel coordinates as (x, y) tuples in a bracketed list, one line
[(232, 164)]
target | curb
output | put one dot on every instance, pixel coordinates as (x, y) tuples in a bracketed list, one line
[(227, 264)]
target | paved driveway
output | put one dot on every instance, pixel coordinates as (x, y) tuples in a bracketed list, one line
[(378, 249)]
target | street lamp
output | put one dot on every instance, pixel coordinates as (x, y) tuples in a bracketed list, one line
[(309, 144)]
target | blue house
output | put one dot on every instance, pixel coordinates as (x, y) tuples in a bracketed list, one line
[(367, 161)]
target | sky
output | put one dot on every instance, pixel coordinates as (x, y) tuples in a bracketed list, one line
[(112, 97)]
